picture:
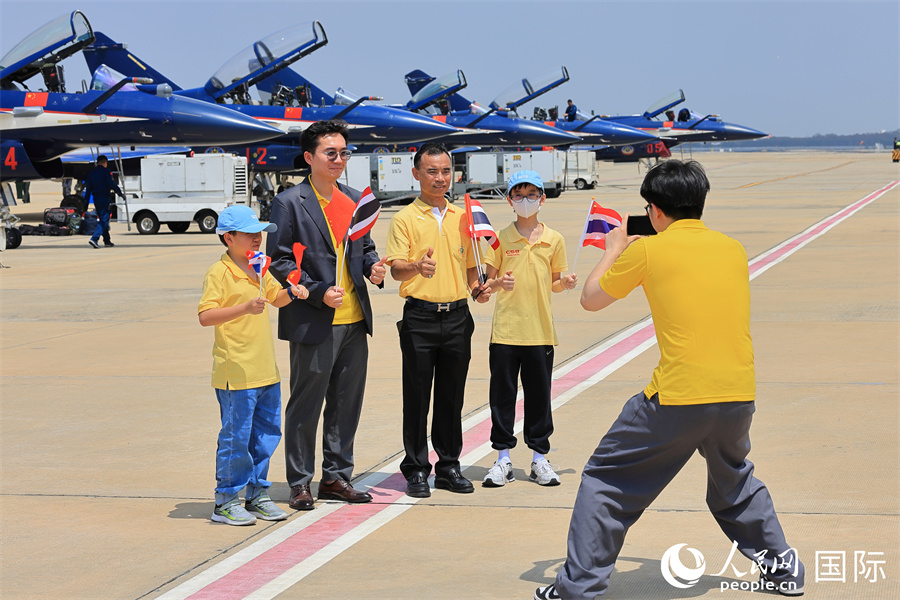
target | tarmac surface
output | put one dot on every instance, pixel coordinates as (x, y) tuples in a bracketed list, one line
[(109, 422)]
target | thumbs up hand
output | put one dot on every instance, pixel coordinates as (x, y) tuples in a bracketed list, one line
[(378, 272), (426, 265), (507, 282)]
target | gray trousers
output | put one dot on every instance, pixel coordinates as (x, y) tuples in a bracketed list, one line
[(640, 454), (332, 372)]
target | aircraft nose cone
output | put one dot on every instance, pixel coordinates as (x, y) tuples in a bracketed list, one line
[(532, 133), (201, 122), (739, 132), (410, 127)]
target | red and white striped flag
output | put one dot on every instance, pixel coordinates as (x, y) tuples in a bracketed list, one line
[(364, 215), (599, 222), (478, 225)]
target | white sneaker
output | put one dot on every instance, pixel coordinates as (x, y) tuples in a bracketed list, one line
[(232, 513), (499, 474), (263, 508), (543, 473)]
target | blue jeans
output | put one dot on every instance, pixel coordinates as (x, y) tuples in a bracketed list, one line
[(102, 222), (251, 430)]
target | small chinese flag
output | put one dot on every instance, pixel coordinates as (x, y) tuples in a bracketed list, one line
[(294, 276), (339, 213)]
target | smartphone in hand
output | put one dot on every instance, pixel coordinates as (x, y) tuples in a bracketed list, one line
[(640, 225)]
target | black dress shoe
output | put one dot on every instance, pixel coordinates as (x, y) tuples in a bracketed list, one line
[(417, 486), (454, 482)]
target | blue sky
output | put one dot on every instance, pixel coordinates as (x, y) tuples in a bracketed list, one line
[(788, 68)]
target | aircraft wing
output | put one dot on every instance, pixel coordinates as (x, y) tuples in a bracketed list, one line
[(88, 155)]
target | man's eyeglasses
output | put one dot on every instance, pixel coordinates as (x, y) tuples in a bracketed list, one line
[(647, 210), (333, 154), (531, 197)]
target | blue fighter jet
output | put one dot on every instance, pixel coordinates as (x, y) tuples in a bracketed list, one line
[(289, 108), (686, 126), (592, 131), (474, 126), (39, 127)]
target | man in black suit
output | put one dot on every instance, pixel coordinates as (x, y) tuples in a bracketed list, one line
[(327, 331)]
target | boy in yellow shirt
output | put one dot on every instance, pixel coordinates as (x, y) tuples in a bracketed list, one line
[(244, 373), (523, 271)]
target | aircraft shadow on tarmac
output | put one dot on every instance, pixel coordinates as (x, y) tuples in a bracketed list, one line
[(639, 580)]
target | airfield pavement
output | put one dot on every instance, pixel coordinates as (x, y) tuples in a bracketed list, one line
[(109, 422)]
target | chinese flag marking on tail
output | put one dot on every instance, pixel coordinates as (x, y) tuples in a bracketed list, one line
[(600, 221), (36, 99)]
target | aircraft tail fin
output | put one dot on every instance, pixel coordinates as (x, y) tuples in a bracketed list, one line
[(106, 51), (416, 80)]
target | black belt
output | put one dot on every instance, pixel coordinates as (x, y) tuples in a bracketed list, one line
[(437, 306)]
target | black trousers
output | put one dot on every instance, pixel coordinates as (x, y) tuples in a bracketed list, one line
[(436, 348), (535, 363)]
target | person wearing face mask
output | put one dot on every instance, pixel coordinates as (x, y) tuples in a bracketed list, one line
[(526, 267)]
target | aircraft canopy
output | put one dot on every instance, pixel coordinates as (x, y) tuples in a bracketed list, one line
[(266, 57), (437, 89), (105, 77), (664, 103), (51, 43), (529, 88)]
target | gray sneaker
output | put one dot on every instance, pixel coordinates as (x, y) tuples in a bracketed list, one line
[(499, 475), (232, 513), (543, 473), (263, 508)]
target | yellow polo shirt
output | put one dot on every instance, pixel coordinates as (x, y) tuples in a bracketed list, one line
[(698, 286), (522, 317), (350, 310), (243, 351), (413, 230)]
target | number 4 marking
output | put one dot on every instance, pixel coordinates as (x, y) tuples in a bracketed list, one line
[(10, 160)]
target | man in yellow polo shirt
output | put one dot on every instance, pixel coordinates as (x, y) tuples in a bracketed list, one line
[(326, 331), (700, 398), (433, 261)]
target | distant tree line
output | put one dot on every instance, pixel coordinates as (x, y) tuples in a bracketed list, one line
[(865, 140)]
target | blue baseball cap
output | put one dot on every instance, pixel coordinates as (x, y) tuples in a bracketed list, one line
[(520, 177), (239, 217)]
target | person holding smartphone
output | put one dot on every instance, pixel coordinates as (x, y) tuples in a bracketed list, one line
[(700, 396)]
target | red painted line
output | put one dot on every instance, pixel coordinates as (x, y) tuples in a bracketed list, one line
[(274, 562)]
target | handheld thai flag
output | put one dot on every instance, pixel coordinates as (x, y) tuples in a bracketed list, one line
[(600, 221), (364, 215), (260, 263), (294, 276), (478, 225)]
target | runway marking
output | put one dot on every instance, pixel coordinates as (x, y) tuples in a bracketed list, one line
[(278, 561), (849, 162)]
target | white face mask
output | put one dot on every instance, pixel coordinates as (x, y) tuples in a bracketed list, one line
[(526, 207)]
